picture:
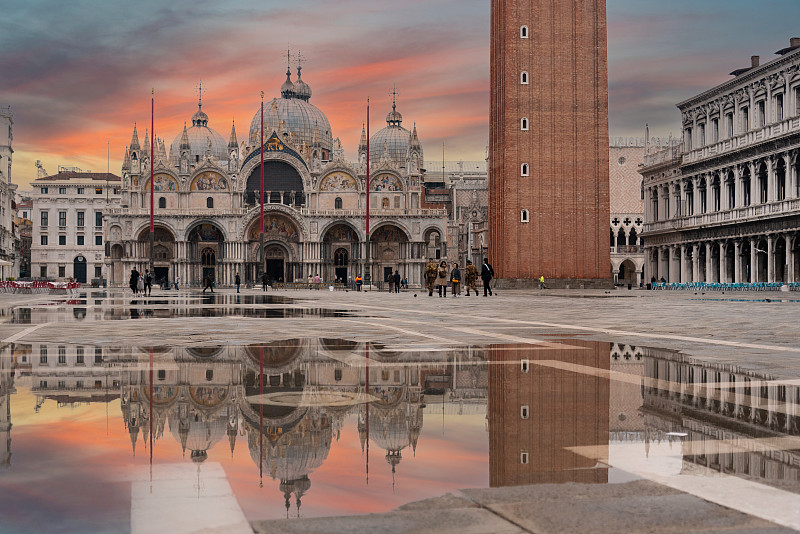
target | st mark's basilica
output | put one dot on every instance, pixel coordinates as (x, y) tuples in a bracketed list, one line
[(207, 200)]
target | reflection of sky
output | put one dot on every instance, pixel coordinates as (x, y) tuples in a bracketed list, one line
[(78, 74), (67, 475)]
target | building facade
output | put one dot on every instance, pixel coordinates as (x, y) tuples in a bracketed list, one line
[(67, 240), (23, 224), (724, 205), (548, 152), (207, 201), (626, 154), (461, 188), (7, 237)]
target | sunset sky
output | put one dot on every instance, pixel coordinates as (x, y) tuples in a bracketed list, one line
[(78, 74)]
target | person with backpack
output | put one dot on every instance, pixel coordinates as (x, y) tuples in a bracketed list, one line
[(148, 282)]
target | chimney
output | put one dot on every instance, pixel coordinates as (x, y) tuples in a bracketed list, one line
[(754, 61)]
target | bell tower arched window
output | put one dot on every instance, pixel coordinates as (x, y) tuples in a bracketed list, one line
[(523, 32), (523, 78), (523, 124), (524, 216), (525, 170)]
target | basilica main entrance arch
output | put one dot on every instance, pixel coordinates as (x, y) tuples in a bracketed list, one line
[(281, 249), (163, 250)]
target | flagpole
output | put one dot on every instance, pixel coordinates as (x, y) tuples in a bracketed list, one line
[(261, 232), (152, 165), (367, 277)]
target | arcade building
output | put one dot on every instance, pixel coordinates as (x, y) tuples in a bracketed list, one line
[(207, 201)]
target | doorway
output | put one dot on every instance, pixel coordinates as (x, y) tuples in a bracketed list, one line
[(79, 269), (160, 274), (275, 270), (340, 258), (387, 272)]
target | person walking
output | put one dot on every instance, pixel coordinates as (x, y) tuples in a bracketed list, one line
[(396, 281), (148, 282), (441, 279), (455, 279), (134, 282), (471, 277), (487, 273), (208, 283), (390, 281), (541, 282), (264, 281), (430, 276), (238, 281)]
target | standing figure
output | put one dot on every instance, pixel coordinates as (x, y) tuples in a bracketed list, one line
[(148, 282), (541, 282), (359, 282), (471, 277), (238, 281), (396, 281), (430, 276), (455, 279), (177, 281), (441, 279), (487, 273), (134, 283), (264, 281)]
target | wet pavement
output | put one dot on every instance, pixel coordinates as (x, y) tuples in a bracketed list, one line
[(238, 412)]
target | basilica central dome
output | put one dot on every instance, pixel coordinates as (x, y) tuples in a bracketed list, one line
[(202, 140), (293, 114)]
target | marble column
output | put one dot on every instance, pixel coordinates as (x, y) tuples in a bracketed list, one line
[(770, 258), (695, 263), (709, 263), (737, 262), (723, 264), (753, 261)]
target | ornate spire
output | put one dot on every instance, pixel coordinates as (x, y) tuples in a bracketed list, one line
[(232, 143), (126, 163), (414, 140), (161, 151), (287, 89), (135, 139), (362, 145), (394, 118), (185, 139), (146, 148)]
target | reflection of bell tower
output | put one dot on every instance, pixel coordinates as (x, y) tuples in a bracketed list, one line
[(539, 409), (6, 390)]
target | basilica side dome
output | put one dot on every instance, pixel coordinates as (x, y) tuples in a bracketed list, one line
[(292, 113), (201, 140), (392, 142)]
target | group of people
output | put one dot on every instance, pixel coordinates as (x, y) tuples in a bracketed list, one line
[(439, 276), (141, 283)]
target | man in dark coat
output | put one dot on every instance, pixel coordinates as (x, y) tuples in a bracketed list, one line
[(264, 281), (487, 273), (396, 281)]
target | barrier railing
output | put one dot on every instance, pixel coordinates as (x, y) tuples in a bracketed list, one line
[(38, 286), (727, 286)]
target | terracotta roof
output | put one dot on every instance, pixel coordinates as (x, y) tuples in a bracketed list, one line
[(99, 176)]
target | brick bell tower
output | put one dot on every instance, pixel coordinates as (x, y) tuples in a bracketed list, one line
[(548, 153)]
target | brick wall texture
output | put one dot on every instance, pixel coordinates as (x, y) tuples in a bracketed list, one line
[(566, 145)]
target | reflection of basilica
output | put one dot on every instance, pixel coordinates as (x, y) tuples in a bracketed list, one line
[(207, 200)]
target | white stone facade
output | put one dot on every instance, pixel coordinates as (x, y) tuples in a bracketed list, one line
[(207, 208), (724, 205), (627, 212), (67, 240)]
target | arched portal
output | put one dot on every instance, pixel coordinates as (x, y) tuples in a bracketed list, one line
[(205, 250), (340, 247), (627, 273), (760, 263), (389, 246), (283, 232), (780, 260), (163, 251)]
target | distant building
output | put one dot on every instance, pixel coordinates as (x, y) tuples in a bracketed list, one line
[(67, 236), (724, 205), (23, 223), (548, 143), (7, 238), (626, 155), (462, 188)]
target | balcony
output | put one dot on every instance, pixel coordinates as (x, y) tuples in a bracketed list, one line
[(628, 249), (766, 133), (734, 216)]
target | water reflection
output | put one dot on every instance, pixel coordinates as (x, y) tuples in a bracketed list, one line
[(305, 416)]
